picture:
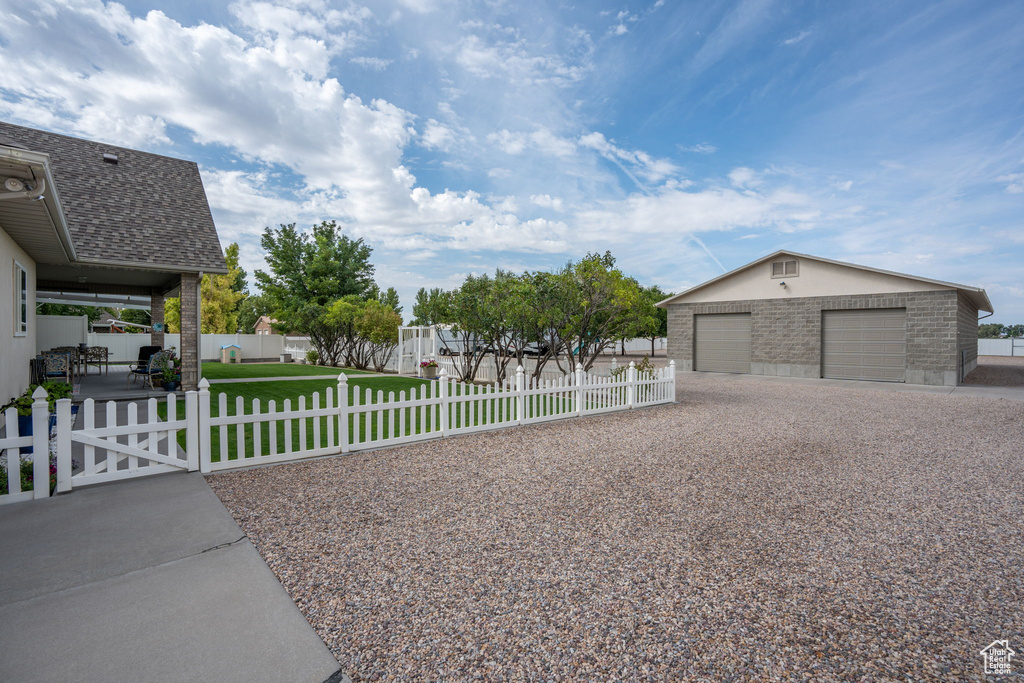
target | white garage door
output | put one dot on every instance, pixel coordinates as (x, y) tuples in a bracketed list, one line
[(865, 344), (722, 342)]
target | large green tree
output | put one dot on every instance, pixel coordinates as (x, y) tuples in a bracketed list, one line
[(220, 298), (93, 312), (315, 267)]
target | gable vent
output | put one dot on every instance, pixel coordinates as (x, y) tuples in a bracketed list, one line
[(785, 268)]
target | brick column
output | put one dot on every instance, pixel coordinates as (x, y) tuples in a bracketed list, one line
[(190, 328), (156, 312)]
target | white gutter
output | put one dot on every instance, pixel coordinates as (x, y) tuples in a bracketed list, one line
[(41, 162)]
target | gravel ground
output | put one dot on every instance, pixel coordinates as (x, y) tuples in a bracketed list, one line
[(998, 371), (753, 531)]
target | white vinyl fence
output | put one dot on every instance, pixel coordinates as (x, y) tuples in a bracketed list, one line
[(192, 434), (1001, 347), (124, 348), (37, 463)]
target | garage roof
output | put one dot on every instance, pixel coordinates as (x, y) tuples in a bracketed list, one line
[(976, 294)]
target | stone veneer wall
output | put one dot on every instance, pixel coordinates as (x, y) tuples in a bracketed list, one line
[(189, 351), (156, 312), (786, 333), (967, 332)]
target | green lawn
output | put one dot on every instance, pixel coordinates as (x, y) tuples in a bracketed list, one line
[(365, 428), (248, 370)]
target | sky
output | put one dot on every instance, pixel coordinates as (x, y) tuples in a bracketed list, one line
[(456, 137)]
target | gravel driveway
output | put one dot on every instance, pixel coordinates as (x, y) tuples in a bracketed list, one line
[(998, 371), (753, 531)]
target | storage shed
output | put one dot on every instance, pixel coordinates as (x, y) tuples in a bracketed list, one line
[(795, 315)]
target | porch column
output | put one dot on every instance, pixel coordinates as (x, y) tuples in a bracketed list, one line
[(190, 328), (156, 312)]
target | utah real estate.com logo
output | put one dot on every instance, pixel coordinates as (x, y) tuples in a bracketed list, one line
[(997, 657)]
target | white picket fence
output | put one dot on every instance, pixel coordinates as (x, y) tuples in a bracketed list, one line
[(197, 436), (11, 457)]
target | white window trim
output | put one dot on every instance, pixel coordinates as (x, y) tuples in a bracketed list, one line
[(20, 276), (771, 269)]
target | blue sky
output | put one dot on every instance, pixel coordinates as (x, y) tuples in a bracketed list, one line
[(688, 138)]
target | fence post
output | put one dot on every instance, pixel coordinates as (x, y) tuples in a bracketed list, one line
[(203, 426), (191, 429), (343, 412), (631, 384), (672, 375), (615, 363), (63, 445), (520, 395), (581, 378), (442, 377), (40, 444)]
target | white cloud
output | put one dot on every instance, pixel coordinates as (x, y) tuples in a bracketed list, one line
[(700, 148), (541, 140), (437, 136), (744, 177), (1014, 182), (618, 30), (547, 202), (374, 63), (797, 38), (844, 186), (651, 169), (512, 60)]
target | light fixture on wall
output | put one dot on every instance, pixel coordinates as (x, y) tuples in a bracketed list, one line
[(782, 284)]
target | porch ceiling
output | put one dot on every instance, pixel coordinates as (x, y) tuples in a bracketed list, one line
[(104, 280)]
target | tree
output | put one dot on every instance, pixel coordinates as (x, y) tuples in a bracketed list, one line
[(591, 304), (249, 311), (219, 299), (378, 324), (389, 298), (92, 312), (135, 315), (991, 330), (427, 306), (1015, 330), (316, 267), (654, 294)]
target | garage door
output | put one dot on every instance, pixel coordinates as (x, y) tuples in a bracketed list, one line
[(865, 344), (722, 342)]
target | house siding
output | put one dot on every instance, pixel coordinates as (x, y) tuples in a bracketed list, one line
[(786, 333), (17, 350), (967, 333)]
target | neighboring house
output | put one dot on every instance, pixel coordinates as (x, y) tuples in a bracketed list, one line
[(264, 325), (795, 315), (79, 219)]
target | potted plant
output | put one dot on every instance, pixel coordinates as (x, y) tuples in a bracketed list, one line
[(312, 356), (54, 390), (429, 369)]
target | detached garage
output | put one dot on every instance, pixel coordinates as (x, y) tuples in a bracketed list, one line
[(797, 315)]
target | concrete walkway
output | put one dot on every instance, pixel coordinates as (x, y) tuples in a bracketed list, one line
[(970, 390), (145, 580)]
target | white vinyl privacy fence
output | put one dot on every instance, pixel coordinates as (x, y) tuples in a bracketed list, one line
[(199, 433)]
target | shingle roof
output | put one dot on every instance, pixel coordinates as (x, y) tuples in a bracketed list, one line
[(146, 209)]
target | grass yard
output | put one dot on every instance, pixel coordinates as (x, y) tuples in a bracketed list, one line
[(225, 440), (248, 370)]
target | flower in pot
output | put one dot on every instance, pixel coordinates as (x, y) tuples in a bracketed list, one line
[(428, 368)]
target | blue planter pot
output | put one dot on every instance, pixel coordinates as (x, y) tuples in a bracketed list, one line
[(171, 386)]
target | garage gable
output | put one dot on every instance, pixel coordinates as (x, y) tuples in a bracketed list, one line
[(788, 275)]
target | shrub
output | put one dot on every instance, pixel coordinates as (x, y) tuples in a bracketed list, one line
[(312, 356)]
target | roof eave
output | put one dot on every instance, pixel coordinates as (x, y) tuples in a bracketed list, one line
[(50, 198)]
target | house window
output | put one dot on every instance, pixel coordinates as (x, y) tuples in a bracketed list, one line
[(784, 269), (20, 300)]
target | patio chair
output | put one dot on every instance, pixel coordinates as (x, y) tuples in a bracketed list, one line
[(141, 367), (98, 356), (57, 365)]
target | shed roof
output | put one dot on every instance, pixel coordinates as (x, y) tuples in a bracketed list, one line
[(975, 294), (146, 210)]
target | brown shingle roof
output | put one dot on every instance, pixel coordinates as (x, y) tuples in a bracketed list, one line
[(146, 209)]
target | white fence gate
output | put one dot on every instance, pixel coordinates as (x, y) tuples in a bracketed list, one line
[(194, 436)]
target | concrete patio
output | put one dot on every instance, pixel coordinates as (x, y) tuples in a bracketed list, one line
[(145, 580), (113, 385)]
